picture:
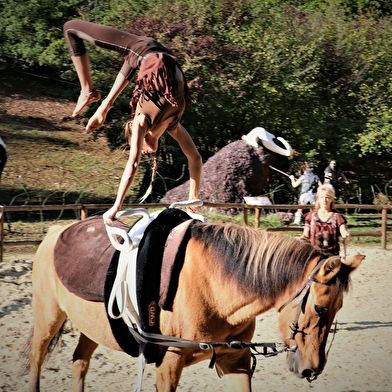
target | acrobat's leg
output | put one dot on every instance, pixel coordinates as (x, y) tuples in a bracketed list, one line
[(88, 93)]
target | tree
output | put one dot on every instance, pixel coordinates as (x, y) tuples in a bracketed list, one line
[(315, 72)]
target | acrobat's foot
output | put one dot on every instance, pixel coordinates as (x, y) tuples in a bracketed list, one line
[(85, 99)]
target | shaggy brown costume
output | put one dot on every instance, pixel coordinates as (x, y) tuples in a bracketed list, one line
[(235, 171)]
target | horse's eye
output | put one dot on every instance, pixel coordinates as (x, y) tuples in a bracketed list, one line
[(320, 310)]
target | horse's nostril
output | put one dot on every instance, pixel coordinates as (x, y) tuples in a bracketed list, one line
[(308, 373)]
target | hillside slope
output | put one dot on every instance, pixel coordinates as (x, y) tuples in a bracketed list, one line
[(50, 156)]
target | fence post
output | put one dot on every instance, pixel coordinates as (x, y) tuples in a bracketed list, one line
[(1, 232), (257, 218), (384, 220), (83, 212), (245, 216)]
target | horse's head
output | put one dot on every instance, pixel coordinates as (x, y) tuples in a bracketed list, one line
[(306, 318)]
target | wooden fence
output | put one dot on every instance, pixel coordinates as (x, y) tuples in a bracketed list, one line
[(85, 208)]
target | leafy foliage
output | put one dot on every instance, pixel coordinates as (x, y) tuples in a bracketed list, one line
[(314, 72)]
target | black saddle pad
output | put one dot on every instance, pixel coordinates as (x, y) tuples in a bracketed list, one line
[(148, 273)]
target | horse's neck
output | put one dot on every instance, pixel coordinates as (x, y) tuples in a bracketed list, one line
[(248, 311), (238, 304), (203, 279), (233, 302)]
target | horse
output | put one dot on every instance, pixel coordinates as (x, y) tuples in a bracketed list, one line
[(230, 275)]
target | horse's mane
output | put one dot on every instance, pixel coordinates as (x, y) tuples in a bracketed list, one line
[(256, 256)]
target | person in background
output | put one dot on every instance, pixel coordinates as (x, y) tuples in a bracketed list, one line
[(323, 225), (334, 176), (3, 156), (309, 182), (158, 101)]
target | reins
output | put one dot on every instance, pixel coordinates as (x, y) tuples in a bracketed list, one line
[(269, 349), (171, 341)]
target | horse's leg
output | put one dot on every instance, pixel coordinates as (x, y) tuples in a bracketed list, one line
[(81, 361), (169, 370), (46, 326), (235, 368), (48, 316)]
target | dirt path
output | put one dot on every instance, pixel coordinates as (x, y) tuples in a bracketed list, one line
[(359, 360)]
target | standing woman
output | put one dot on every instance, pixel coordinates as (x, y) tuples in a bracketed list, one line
[(324, 226), (158, 101)]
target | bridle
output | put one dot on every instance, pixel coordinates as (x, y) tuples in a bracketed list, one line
[(302, 295)]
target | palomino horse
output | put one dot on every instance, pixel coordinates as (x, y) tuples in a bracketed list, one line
[(230, 275)]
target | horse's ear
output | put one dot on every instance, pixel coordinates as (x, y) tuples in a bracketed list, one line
[(329, 269), (354, 262)]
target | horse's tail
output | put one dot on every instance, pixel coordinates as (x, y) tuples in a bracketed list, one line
[(24, 355)]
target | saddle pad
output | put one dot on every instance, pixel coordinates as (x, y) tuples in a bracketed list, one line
[(82, 255), (173, 260), (148, 272)]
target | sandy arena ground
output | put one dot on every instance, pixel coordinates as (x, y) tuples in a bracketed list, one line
[(359, 360)]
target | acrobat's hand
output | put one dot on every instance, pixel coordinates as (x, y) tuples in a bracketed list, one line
[(110, 216), (95, 122), (99, 117)]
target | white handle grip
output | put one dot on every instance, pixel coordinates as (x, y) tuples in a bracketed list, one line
[(133, 211), (187, 203), (115, 232)]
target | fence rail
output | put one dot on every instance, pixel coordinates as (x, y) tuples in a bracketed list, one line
[(85, 208)]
